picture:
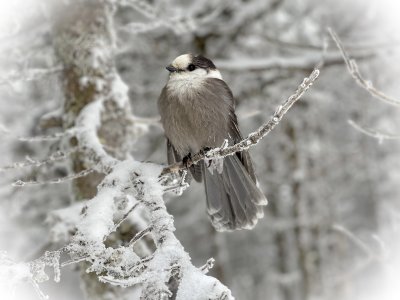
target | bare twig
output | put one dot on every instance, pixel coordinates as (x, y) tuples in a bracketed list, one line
[(43, 138), (357, 241), (29, 162), (125, 216), (352, 67), (254, 137), (373, 133), (301, 62), (139, 235), (20, 183)]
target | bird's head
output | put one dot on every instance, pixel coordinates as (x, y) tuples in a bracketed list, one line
[(189, 65)]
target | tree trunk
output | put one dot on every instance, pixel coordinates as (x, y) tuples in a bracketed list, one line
[(84, 43)]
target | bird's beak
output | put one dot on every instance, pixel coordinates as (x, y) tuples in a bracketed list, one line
[(171, 68)]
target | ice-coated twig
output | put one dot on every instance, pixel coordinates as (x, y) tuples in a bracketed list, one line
[(208, 265), (139, 235), (21, 183), (354, 71), (43, 138), (38, 291), (29, 162), (373, 133), (254, 137), (125, 216), (73, 261)]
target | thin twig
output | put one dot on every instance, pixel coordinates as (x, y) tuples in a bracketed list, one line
[(124, 217), (139, 235), (357, 241), (43, 138), (20, 183), (352, 67), (254, 137), (208, 265), (29, 162), (373, 133), (73, 261)]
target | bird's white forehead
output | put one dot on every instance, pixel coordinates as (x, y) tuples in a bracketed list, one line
[(182, 61)]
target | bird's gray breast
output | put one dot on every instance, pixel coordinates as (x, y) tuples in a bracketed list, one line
[(195, 114)]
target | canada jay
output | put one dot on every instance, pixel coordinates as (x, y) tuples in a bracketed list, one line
[(198, 112)]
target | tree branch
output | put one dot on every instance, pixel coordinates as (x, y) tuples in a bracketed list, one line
[(354, 71), (373, 133)]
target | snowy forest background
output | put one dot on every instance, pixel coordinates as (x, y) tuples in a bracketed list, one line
[(330, 169)]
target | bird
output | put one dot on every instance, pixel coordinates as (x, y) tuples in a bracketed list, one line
[(197, 110)]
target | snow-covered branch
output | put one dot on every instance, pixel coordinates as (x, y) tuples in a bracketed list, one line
[(97, 113), (254, 137)]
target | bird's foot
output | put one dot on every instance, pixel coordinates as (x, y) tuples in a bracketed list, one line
[(205, 150), (204, 153), (187, 160)]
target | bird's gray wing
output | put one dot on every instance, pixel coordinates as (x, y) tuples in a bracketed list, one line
[(243, 156), (172, 155), (234, 136)]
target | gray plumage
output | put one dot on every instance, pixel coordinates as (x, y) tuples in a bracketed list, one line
[(197, 112)]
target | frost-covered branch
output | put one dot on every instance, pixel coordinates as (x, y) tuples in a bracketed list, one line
[(254, 137), (30, 162), (83, 173), (354, 71), (97, 111)]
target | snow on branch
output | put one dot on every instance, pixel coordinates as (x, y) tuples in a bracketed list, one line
[(97, 113), (354, 71), (254, 137), (122, 266)]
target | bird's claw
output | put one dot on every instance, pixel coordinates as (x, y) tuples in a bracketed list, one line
[(187, 161), (205, 150)]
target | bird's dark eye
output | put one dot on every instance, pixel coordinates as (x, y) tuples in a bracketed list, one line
[(191, 67)]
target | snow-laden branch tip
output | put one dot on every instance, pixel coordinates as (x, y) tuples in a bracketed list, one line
[(380, 136), (254, 137), (354, 71)]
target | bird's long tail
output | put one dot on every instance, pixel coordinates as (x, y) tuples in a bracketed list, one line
[(233, 199)]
